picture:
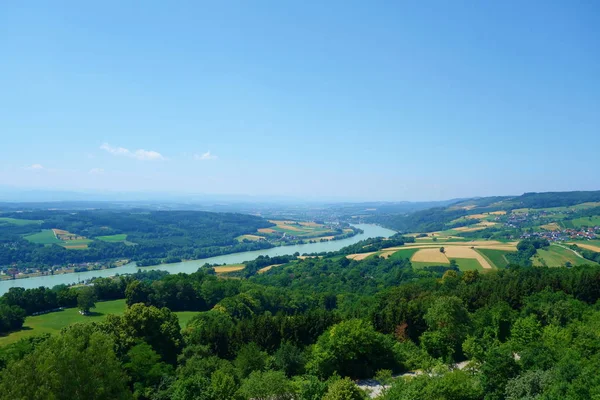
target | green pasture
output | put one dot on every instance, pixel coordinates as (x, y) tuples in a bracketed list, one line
[(53, 322), (556, 256), (44, 237), (495, 257), (20, 222)]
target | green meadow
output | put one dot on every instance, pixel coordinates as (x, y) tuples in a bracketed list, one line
[(53, 322), (495, 257), (557, 256), (20, 222), (44, 237)]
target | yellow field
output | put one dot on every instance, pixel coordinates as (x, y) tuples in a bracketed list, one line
[(551, 227), (466, 252), (588, 246), (360, 256), (60, 232), (476, 216), (229, 268), (498, 213), (487, 223), (268, 267), (430, 255), (266, 230), (386, 254)]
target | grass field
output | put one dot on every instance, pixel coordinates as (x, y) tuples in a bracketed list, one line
[(495, 257), (253, 238), (556, 256), (586, 221), (55, 321), (405, 253), (44, 237), (20, 222), (121, 237), (466, 264)]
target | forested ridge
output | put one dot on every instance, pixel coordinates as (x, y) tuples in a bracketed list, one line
[(150, 235), (309, 328)]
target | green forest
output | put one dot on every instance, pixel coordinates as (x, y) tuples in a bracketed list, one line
[(313, 328), (149, 237)]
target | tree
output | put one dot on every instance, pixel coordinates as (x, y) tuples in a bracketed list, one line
[(157, 327), (146, 369), (344, 389), (352, 348), (86, 299), (269, 385), (77, 364), (289, 359), (250, 358), (442, 250), (138, 292), (499, 367), (449, 323)]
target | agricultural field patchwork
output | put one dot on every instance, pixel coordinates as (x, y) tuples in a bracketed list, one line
[(300, 229)]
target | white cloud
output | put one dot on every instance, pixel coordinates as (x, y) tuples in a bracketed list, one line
[(141, 154), (96, 171), (35, 167), (148, 155), (205, 156)]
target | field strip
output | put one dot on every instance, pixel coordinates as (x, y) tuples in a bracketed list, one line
[(360, 256), (228, 268), (466, 252), (268, 267), (588, 246), (430, 255)]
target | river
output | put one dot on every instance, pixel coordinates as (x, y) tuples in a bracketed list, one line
[(192, 266)]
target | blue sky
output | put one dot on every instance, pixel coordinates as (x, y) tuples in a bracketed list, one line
[(382, 100)]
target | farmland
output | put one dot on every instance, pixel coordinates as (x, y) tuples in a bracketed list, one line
[(19, 222), (44, 237), (478, 254), (495, 257), (557, 256), (229, 268), (55, 321)]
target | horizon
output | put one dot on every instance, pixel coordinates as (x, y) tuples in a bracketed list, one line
[(306, 101)]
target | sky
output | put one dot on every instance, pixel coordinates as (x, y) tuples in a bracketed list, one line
[(349, 100)]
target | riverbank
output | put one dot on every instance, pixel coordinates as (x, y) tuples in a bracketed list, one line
[(369, 231)]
